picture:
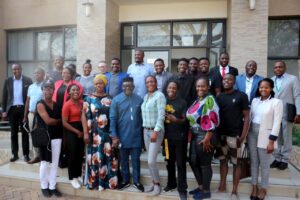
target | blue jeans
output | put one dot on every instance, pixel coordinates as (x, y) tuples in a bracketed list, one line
[(135, 160)]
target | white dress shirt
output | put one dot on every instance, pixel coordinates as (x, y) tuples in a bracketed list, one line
[(226, 70), (249, 82), (18, 89), (260, 110)]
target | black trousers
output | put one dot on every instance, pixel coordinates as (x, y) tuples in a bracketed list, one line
[(16, 116), (200, 161), (177, 153), (75, 148)]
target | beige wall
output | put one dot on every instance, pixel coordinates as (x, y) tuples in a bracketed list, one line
[(112, 32), (38, 13), (248, 34), (284, 8), (91, 34), (2, 49), (166, 11)]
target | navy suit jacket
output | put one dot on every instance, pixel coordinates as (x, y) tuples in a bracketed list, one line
[(240, 84), (121, 76)]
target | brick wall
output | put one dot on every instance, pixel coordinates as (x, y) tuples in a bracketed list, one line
[(247, 34)]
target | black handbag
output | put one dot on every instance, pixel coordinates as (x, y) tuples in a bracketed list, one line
[(40, 135), (245, 163), (291, 112)]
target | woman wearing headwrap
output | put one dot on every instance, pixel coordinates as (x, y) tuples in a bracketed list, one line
[(102, 164)]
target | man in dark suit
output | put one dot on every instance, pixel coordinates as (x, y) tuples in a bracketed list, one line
[(224, 68), (161, 75), (13, 101)]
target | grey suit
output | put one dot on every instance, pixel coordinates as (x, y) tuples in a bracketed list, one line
[(289, 93), (165, 77)]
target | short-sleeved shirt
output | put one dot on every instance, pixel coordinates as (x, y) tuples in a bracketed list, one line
[(72, 111), (231, 112), (175, 131), (35, 93), (214, 82)]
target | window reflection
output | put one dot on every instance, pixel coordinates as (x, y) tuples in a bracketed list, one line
[(217, 34), (190, 34), (154, 34)]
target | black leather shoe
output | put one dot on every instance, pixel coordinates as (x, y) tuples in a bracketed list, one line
[(14, 158), (26, 158), (253, 197), (46, 193), (275, 164), (55, 192), (282, 166)]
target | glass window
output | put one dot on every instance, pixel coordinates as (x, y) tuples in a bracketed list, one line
[(283, 38), (154, 34), (214, 54), (20, 46), (190, 34), (292, 67), (39, 48), (127, 58), (70, 43), (217, 34), (128, 35)]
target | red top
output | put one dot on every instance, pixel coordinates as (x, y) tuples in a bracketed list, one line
[(72, 111), (59, 83)]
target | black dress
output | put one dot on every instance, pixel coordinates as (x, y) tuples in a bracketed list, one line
[(55, 132)]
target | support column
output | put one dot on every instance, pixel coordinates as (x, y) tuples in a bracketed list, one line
[(247, 34), (98, 36)]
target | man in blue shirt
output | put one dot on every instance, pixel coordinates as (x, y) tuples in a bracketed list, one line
[(126, 129), (139, 71), (33, 96)]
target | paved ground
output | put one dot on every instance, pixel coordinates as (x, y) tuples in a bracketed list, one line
[(20, 193)]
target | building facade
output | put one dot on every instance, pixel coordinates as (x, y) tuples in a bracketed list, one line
[(34, 32)]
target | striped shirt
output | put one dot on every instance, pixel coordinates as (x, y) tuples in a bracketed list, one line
[(153, 111)]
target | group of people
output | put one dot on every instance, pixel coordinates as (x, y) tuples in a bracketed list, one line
[(104, 118)]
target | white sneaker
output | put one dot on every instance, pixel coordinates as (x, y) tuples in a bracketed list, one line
[(100, 188), (79, 180), (75, 183), (156, 190), (149, 188)]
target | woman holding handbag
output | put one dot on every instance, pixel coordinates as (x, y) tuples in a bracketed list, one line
[(48, 116), (266, 115)]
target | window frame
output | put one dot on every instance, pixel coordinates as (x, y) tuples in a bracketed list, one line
[(35, 32), (170, 47)]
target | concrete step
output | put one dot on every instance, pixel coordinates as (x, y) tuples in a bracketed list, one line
[(30, 179), (274, 173), (278, 186)]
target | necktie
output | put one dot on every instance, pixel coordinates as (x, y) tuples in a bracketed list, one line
[(223, 72)]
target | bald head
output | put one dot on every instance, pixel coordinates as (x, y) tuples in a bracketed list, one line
[(250, 68)]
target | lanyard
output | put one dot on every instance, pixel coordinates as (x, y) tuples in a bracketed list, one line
[(278, 88)]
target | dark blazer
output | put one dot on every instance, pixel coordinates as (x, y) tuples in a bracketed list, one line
[(216, 70), (166, 76), (232, 70), (240, 84), (8, 92), (121, 76)]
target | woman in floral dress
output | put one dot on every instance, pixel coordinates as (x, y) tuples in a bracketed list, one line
[(102, 164), (203, 116)]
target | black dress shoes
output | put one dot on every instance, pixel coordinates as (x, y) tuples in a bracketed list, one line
[(14, 158), (275, 164), (26, 158), (282, 166)]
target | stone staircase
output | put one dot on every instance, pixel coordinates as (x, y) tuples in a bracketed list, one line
[(283, 184)]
